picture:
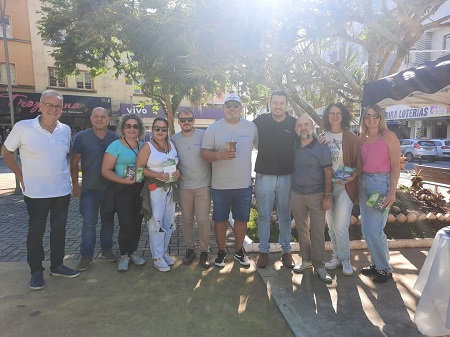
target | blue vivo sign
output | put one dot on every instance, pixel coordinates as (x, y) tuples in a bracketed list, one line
[(142, 111), (146, 111)]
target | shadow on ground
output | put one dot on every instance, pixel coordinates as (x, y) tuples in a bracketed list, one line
[(188, 301)]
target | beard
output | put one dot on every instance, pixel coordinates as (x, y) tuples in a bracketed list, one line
[(305, 135)]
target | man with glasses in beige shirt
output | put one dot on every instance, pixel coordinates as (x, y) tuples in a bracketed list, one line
[(194, 184)]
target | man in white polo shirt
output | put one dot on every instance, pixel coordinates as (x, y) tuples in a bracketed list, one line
[(43, 143)]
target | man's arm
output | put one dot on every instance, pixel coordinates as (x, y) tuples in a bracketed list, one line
[(326, 201), (74, 170), (10, 161)]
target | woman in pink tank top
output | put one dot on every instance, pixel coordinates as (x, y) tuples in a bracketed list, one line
[(380, 152)]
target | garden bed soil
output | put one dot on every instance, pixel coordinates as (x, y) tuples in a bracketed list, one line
[(407, 201)]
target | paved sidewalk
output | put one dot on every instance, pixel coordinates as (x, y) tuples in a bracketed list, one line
[(14, 223), (191, 301)]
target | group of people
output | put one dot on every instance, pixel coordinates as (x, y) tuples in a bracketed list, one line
[(135, 179)]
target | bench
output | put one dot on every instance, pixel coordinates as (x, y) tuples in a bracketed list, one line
[(437, 176)]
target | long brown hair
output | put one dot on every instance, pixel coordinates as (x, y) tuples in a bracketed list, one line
[(382, 126)]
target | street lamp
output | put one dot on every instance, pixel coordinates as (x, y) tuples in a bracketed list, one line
[(3, 23)]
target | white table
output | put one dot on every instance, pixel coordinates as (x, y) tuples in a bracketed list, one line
[(433, 311)]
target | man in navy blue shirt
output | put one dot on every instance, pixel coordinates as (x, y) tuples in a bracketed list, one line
[(311, 197), (89, 146)]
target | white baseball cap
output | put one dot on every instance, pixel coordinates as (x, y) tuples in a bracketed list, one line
[(232, 97)]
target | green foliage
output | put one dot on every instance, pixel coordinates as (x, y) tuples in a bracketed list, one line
[(318, 51), (252, 228)]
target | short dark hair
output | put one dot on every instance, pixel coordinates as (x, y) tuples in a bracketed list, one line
[(346, 116), (158, 119), (186, 111), (279, 93)]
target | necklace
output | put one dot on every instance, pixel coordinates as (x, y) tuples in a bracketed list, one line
[(164, 150), (130, 145)]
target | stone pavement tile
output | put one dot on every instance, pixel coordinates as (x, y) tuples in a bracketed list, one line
[(14, 220), (351, 306)]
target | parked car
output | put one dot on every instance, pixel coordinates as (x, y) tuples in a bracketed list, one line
[(415, 148), (443, 147)]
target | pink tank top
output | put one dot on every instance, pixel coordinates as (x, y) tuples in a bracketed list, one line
[(375, 157)]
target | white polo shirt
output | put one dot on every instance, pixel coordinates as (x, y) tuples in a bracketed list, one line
[(43, 156)]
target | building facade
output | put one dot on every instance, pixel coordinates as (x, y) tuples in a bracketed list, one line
[(33, 71)]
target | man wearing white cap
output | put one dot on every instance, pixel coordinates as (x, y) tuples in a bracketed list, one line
[(228, 145)]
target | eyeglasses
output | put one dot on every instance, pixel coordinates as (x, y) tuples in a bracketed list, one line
[(186, 119), (335, 114), (52, 106), (376, 116), (132, 126), (229, 106), (159, 128)]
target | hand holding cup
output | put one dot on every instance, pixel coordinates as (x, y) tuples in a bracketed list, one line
[(231, 150)]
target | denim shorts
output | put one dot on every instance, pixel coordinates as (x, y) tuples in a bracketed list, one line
[(237, 200)]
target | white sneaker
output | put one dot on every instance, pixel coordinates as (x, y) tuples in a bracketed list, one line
[(161, 265), (168, 259), (123, 263), (347, 268), (302, 266), (323, 275), (333, 263), (137, 259)]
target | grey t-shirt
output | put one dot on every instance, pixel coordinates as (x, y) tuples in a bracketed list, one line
[(309, 162), (236, 173), (91, 148), (195, 172)]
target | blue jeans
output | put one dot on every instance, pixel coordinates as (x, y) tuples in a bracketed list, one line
[(338, 220), (270, 190), (90, 203), (374, 221)]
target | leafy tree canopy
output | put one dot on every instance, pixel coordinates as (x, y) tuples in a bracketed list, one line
[(191, 47)]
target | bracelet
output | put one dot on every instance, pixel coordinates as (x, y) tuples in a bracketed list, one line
[(328, 193)]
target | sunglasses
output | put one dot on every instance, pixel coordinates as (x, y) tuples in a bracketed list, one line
[(186, 119), (158, 128), (229, 106), (376, 116), (132, 126)]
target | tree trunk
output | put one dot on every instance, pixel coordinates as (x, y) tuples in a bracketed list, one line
[(169, 114)]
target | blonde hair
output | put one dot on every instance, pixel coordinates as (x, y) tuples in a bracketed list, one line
[(382, 126)]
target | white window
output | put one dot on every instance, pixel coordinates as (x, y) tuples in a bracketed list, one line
[(8, 28), (4, 76), (138, 86), (84, 80), (446, 42), (53, 79)]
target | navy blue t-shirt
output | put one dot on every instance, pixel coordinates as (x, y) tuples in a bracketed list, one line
[(309, 164), (91, 148)]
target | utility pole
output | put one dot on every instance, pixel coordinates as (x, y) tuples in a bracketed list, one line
[(4, 22)]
